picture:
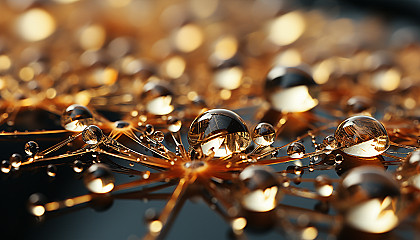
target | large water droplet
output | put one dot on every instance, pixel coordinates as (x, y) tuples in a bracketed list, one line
[(291, 89), (98, 178), (219, 130), (31, 148), (362, 136), (92, 135), (264, 134), (261, 188), (369, 195), (76, 118)]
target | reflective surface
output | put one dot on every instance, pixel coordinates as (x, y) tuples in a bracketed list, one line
[(220, 131)]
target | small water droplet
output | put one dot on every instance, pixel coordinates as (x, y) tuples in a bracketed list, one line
[(296, 150), (291, 89), (77, 166), (15, 160), (6, 166), (92, 135), (51, 170), (338, 159), (174, 124), (146, 174), (149, 129), (158, 136), (323, 186), (330, 142), (76, 118), (131, 164), (157, 97), (98, 178), (264, 134), (261, 188), (31, 148), (36, 204)]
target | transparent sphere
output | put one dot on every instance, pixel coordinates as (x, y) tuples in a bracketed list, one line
[(15, 160), (362, 136), (296, 150), (370, 195), (323, 186), (92, 135), (158, 136), (157, 98), (264, 134), (174, 124), (76, 118), (51, 170), (77, 166), (291, 89), (411, 169), (31, 148), (262, 188), (6, 166), (358, 104), (98, 178), (219, 130), (36, 204)]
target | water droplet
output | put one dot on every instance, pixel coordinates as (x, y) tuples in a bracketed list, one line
[(76, 118), (174, 124), (358, 104), (338, 159), (413, 157), (323, 186), (362, 136), (146, 174), (131, 164), (36, 204), (158, 136), (291, 89), (330, 142), (370, 195), (77, 166), (92, 135), (149, 129), (157, 97), (98, 178), (296, 150), (121, 124), (264, 134), (51, 170), (297, 170), (5, 166), (31, 148), (15, 160), (261, 188), (219, 130)]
